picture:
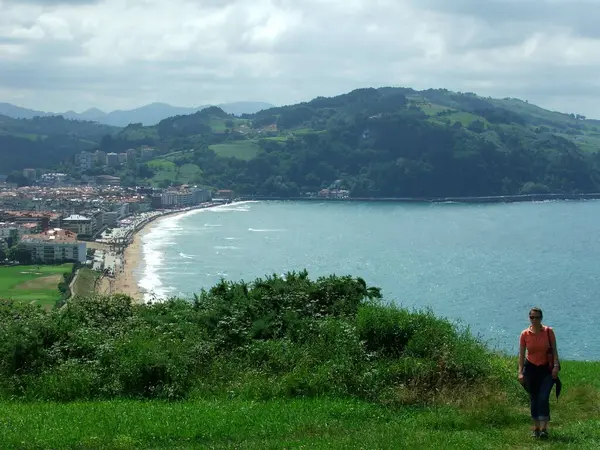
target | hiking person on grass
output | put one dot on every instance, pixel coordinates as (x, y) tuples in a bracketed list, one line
[(538, 369)]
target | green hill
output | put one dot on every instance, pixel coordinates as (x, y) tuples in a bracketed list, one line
[(386, 142), (393, 142), (45, 141)]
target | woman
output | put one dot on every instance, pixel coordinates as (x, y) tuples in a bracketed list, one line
[(538, 369)]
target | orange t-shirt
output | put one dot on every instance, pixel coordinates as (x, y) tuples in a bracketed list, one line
[(537, 344)]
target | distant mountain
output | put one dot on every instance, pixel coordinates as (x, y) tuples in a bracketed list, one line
[(147, 115), (16, 112)]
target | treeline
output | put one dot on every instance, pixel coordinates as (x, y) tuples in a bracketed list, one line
[(45, 142), (17, 153), (276, 337)]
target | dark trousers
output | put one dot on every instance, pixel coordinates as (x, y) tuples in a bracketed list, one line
[(539, 382)]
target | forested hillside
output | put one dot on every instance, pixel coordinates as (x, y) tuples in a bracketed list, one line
[(45, 141), (374, 142)]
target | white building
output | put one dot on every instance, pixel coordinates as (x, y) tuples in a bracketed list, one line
[(201, 195), (85, 160), (147, 153), (55, 245), (184, 197), (54, 178), (79, 224), (112, 160)]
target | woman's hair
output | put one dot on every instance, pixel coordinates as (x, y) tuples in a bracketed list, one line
[(537, 310)]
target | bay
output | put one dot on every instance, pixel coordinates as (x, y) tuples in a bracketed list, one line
[(483, 265)]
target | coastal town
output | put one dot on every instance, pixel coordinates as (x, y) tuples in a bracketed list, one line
[(93, 227)]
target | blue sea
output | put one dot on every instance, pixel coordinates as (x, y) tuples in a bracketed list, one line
[(482, 265)]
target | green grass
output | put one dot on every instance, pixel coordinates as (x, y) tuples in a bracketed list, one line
[(32, 284), (188, 173), (167, 169), (465, 118), (320, 364), (139, 133), (164, 170), (276, 138), (482, 422), (431, 109), (217, 125), (85, 282), (237, 149), (30, 136)]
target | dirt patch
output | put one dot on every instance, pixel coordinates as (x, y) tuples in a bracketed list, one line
[(49, 282)]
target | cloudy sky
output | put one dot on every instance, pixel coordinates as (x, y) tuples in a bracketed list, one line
[(57, 55)]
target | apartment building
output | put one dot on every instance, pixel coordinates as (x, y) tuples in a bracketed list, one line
[(80, 225), (85, 160), (176, 198), (112, 159), (100, 157), (55, 245), (43, 220)]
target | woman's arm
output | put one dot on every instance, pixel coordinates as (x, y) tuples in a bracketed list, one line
[(554, 350)]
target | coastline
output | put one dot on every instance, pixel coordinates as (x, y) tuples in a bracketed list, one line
[(125, 280), (518, 198)]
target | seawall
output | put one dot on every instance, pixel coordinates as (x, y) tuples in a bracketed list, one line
[(485, 199)]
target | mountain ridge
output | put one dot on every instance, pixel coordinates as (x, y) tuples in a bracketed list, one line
[(148, 115)]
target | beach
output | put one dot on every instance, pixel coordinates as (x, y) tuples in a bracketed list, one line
[(125, 280)]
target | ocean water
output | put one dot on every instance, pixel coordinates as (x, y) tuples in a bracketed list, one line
[(481, 265)]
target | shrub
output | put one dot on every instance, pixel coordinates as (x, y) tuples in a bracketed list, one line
[(275, 337)]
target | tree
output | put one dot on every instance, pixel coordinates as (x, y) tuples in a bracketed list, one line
[(19, 253), (18, 178), (13, 238)]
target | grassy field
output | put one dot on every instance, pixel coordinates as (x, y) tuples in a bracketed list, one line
[(170, 171), (276, 138), (431, 109), (188, 173), (164, 170), (237, 149), (133, 134), (33, 284), (484, 420), (85, 282)]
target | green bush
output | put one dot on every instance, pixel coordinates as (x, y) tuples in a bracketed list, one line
[(276, 337)]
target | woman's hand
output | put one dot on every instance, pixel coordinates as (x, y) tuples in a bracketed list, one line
[(555, 372), (521, 378)]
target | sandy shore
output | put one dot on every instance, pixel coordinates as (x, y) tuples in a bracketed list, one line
[(125, 281)]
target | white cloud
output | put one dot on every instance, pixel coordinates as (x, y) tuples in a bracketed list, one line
[(69, 54)]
